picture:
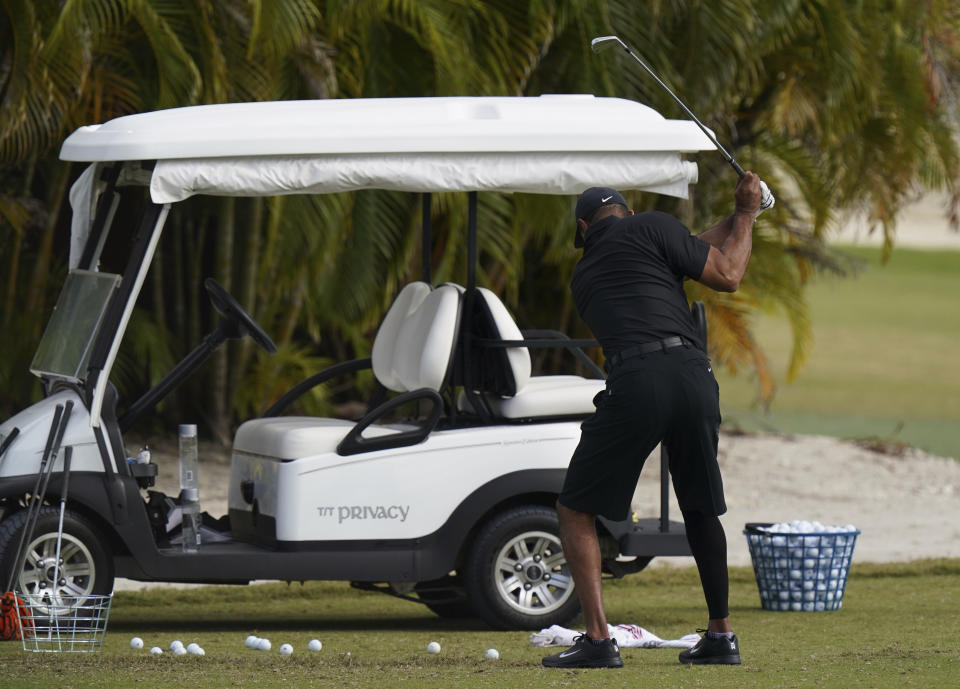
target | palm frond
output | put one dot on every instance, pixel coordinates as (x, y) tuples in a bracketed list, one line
[(270, 376), (146, 356)]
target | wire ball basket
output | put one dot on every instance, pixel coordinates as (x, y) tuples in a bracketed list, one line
[(63, 624), (800, 572)]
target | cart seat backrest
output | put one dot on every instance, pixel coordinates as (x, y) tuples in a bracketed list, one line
[(415, 343), (514, 360)]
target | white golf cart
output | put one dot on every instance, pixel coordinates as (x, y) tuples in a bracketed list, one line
[(453, 507)]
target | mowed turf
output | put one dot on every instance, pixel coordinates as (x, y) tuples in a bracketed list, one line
[(882, 364), (898, 627)]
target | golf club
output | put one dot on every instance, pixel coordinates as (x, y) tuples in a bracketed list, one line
[(601, 42), (60, 418), (67, 455)]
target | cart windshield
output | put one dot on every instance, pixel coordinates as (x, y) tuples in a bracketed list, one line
[(68, 340)]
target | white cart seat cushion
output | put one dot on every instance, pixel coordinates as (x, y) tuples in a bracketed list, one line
[(415, 343), (545, 396), (292, 437)]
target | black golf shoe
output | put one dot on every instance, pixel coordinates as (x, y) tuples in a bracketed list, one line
[(710, 651), (586, 652)]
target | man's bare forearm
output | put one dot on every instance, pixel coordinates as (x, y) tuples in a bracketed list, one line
[(727, 262), (718, 234), (731, 241)]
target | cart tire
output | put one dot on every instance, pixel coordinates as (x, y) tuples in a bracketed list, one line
[(87, 564), (516, 574), (446, 598)]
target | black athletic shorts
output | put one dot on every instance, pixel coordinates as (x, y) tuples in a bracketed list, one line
[(670, 396)]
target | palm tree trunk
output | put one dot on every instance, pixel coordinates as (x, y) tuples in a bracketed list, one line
[(35, 302), (13, 272)]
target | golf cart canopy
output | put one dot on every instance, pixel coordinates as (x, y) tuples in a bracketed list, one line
[(556, 144), (550, 145)]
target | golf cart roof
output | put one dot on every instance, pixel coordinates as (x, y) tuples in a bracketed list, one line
[(558, 144)]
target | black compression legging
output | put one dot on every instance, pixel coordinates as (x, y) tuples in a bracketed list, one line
[(708, 544)]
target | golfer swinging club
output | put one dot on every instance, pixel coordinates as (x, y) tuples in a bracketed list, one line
[(628, 288)]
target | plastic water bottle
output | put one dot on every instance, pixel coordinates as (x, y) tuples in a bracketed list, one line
[(189, 488)]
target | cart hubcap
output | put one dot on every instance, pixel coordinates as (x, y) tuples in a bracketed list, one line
[(532, 574), (74, 576)]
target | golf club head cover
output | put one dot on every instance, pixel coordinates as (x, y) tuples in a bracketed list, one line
[(766, 198), (10, 621)]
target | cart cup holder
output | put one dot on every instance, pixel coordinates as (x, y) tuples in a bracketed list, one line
[(145, 474)]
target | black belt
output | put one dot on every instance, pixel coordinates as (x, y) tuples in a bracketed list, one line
[(646, 348)]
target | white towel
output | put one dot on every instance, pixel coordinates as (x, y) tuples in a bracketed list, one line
[(627, 636)]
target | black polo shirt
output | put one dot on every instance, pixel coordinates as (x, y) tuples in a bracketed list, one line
[(628, 286)]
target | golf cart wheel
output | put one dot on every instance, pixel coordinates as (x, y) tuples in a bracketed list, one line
[(517, 575), (86, 565), (445, 597)]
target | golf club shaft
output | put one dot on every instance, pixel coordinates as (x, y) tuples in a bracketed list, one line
[(67, 455), (35, 498), (602, 41), (57, 429)]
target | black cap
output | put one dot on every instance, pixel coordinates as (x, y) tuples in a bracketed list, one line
[(589, 202)]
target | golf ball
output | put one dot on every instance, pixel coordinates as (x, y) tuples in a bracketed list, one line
[(136, 642), (194, 649), (491, 654), (175, 643), (179, 651), (433, 647), (251, 641), (286, 649), (314, 645), (263, 644), (156, 650)]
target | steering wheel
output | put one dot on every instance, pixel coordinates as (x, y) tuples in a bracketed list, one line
[(234, 315)]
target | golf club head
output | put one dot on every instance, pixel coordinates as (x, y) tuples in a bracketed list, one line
[(603, 42)]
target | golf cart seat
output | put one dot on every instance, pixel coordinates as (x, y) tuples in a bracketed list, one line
[(500, 377), (412, 354)]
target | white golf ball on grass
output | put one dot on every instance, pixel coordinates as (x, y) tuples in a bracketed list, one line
[(156, 650), (136, 642), (176, 643), (314, 645), (433, 647), (179, 651), (491, 654), (251, 642), (263, 644), (286, 649), (194, 649)]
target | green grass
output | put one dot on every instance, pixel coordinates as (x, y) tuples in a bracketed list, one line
[(883, 360), (898, 627)]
